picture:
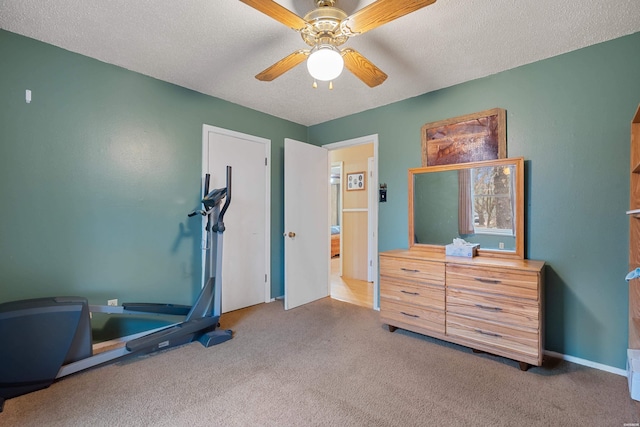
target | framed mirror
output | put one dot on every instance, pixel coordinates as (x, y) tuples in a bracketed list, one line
[(480, 202)]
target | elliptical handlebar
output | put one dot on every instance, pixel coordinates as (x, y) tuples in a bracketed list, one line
[(207, 179), (211, 199), (227, 201)]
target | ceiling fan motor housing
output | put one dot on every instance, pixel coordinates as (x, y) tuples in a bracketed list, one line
[(324, 26)]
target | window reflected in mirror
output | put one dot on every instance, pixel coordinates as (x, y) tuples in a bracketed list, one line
[(492, 196)]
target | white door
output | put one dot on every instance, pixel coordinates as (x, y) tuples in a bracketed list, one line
[(245, 254), (306, 223)]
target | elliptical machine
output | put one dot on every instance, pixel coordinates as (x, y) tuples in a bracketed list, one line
[(45, 339)]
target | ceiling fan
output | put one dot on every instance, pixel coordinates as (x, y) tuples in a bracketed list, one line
[(325, 29)]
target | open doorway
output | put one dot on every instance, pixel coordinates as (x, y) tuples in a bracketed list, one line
[(354, 211), (348, 289)]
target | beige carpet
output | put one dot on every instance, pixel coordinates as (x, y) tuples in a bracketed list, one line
[(326, 364)]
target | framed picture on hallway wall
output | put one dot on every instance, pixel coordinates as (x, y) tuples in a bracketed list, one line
[(355, 181), (470, 138)]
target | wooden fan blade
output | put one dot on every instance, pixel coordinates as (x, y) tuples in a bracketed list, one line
[(362, 68), (282, 66), (277, 12), (380, 12)]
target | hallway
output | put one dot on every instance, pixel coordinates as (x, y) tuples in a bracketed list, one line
[(358, 292)]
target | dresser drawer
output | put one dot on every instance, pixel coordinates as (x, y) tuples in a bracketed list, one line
[(411, 293), (500, 337), (513, 311), (514, 283), (421, 317), (411, 269)]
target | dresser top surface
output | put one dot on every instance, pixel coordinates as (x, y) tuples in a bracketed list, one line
[(519, 264)]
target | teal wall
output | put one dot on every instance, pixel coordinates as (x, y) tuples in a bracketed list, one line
[(98, 173), (569, 116)]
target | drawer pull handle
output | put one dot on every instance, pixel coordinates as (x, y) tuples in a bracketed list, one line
[(410, 315), (490, 281), (409, 270), (491, 334), (486, 307), (409, 293)]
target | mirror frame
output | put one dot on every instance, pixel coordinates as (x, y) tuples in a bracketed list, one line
[(518, 163)]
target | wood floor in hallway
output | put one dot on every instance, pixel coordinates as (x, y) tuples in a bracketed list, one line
[(359, 292)]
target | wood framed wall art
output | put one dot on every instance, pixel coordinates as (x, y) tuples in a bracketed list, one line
[(355, 181), (470, 138)]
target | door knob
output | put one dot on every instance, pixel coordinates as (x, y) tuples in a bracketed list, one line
[(290, 234)]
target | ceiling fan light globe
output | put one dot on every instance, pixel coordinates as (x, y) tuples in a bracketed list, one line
[(325, 64)]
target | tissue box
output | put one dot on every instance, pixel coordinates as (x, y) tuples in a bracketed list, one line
[(468, 251), (633, 373)]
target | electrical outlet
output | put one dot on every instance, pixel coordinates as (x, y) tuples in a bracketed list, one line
[(501, 245), (112, 302)]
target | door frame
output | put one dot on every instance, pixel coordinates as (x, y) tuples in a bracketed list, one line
[(372, 210), (371, 230), (339, 165), (206, 129)]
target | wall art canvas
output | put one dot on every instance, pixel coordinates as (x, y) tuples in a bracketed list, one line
[(470, 138)]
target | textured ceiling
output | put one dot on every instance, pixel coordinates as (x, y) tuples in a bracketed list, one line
[(217, 46)]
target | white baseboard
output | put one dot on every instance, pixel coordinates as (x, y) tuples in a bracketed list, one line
[(588, 363)]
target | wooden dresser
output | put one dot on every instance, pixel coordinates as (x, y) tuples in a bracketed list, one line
[(489, 304)]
